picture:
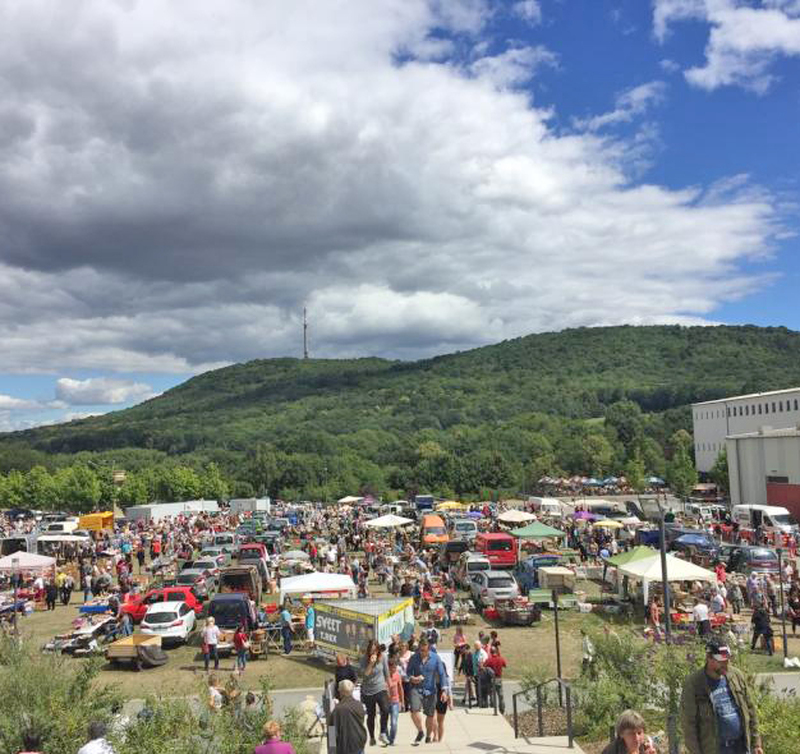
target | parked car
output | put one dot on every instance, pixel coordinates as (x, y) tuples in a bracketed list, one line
[(749, 558), (220, 557), (463, 528), (527, 571), (231, 610), (200, 580), (137, 605), (169, 620), (468, 564), (487, 586)]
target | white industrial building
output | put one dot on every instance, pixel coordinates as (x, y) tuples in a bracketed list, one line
[(764, 468), (157, 511), (713, 421)]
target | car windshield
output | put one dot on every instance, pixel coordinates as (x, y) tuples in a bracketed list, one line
[(501, 583), (226, 613), (176, 597), (762, 553), (437, 530), (500, 544), (478, 566), (209, 564), (249, 554), (161, 617), (187, 578), (465, 526), (783, 519)]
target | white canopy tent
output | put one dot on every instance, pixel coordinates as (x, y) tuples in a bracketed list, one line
[(649, 569), (26, 561), (389, 521), (349, 499), (515, 516), (318, 585), (64, 538)]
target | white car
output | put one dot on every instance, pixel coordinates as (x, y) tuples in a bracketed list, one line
[(169, 620)]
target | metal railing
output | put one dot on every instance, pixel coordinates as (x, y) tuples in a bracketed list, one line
[(565, 700), (492, 694)]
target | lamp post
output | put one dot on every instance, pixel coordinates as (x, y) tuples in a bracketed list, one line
[(15, 572), (783, 609), (558, 646)]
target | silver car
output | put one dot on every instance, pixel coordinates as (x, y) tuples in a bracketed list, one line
[(487, 586)]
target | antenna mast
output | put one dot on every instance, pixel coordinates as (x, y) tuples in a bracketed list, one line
[(305, 334)]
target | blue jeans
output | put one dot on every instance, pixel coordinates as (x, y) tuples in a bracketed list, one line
[(212, 652), (286, 632), (394, 717), (448, 620), (241, 659)]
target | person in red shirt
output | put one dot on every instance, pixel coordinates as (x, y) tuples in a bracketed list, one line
[(497, 662)]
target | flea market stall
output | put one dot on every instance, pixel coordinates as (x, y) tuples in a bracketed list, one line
[(346, 626)]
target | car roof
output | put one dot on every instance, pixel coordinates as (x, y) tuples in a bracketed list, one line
[(496, 574), (192, 572), (474, 556), (165, 607), (229, 597)]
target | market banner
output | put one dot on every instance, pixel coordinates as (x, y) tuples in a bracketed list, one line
[(339, 630)]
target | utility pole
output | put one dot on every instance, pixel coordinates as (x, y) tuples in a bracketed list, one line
[(305, 334)]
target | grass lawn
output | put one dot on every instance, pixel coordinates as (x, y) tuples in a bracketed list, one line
[(522, 647)]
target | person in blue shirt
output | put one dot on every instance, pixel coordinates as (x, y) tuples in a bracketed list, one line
[(311, 620), (429, 684)]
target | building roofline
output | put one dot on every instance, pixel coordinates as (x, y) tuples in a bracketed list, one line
[(767, 432), (748, 396)]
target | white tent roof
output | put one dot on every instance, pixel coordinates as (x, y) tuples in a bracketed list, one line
[(26, 561), (389, 521), (64, 538), (349, 499), (515, 516), (649, 569), (315, 583)]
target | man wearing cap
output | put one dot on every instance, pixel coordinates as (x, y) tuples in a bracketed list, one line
[(717, 711)]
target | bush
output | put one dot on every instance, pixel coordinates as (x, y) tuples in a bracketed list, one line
[(56, 697)]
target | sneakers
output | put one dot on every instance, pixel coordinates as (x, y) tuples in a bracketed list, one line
[(427, 739), (372, 742), (420, 736), (384, 739)]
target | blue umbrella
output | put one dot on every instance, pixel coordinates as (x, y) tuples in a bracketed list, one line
[(695, 540), (475, 514), (655, 480)]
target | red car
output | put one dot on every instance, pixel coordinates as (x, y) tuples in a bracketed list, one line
[(137, 605)]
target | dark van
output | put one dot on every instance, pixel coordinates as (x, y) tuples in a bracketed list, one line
[(231, 610)]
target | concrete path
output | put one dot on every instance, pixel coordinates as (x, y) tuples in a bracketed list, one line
[(476, 730)]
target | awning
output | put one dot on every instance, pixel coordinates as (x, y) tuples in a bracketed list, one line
[(318, 585), (637, 553), (25, 561), (515, 516), (537, 530), (389, 521)]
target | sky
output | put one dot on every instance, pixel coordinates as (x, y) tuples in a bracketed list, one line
[(179, 179)]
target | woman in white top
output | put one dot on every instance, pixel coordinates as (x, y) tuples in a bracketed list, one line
[(210, 635)]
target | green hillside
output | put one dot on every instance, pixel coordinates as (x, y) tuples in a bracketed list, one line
[(462, 421)]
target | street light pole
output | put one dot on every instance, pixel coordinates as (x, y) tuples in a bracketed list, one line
[(558, 645), (14, 571), (783, 609)]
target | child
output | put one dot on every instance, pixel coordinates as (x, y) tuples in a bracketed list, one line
[(397, 700)]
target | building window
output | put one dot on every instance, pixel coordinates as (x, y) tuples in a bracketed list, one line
[(778, 479), (780, 405), (759, 409), (728, 409), (795, 404), (747, 410), (773, 407)]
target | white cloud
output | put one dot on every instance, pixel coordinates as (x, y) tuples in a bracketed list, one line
[(669, 66), (514, 66), (628, 105), (529, 10), (101, 390), (743, 42), (177, 185), (10, 403)]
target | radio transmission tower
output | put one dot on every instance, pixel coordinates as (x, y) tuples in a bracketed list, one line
[(305, 334)]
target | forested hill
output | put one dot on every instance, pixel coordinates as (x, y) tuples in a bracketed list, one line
[(380, 411)]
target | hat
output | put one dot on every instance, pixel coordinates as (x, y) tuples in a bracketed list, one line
[(719, 650)]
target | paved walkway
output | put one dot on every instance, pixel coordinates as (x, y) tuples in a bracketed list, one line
[(475, 730)]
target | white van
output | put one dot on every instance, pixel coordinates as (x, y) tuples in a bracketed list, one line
[(547, 506), (61, 527), (771, 518)]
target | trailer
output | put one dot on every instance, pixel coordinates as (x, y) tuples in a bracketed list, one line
[(345, 626), (158, 511), (250, 504), (138, 649)]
